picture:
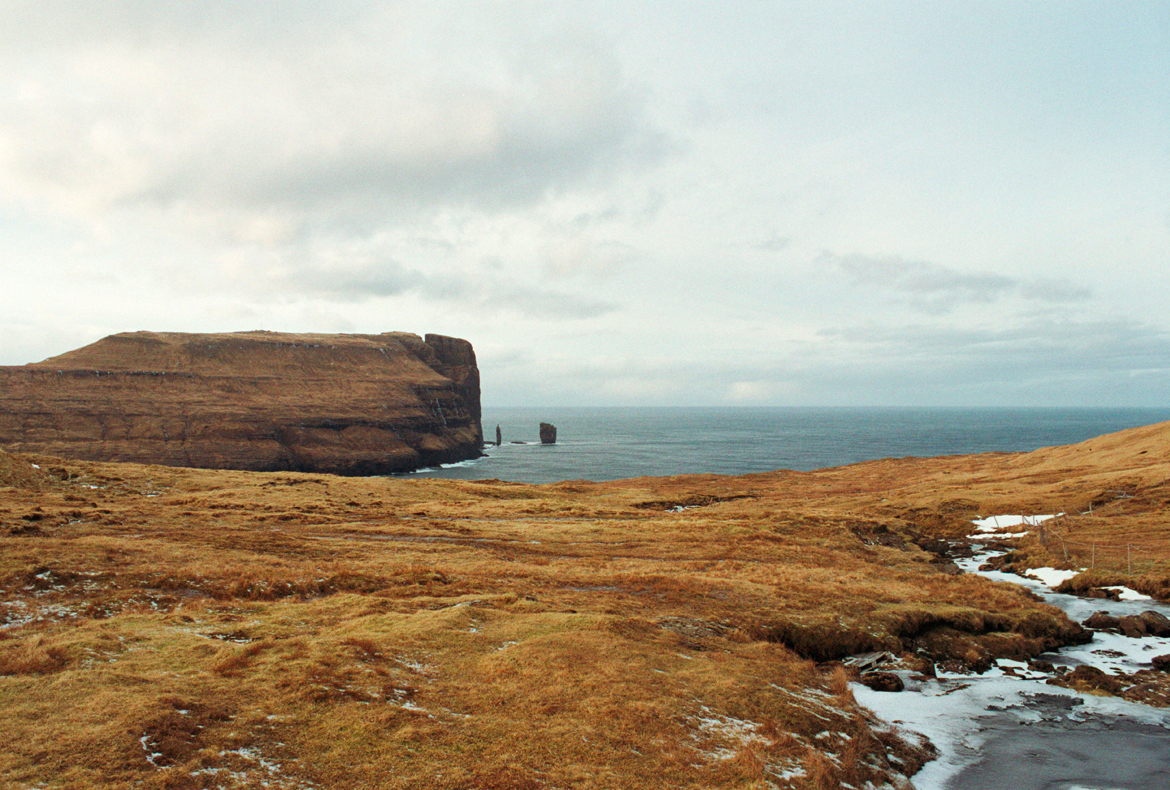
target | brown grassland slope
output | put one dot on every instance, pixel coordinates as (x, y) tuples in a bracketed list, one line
[(181, 628)]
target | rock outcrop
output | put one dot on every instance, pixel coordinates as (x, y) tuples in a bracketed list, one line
[(261, 401), (548, 433)]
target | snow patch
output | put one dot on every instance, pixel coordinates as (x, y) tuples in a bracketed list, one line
[(150, 756), (414, 666), (992, 525), (1051, 576), (1126, 594)]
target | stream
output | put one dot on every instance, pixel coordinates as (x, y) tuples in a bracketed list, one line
[(1009, 730)]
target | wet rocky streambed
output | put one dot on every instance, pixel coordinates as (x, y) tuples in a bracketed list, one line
[(1009, 728)]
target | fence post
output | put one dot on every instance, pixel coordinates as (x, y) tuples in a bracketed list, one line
[(1064, 546)]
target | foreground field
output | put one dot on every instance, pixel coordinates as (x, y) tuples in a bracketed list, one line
[(186, 629)]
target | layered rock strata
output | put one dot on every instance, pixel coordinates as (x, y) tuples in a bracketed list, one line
[(261, 401)]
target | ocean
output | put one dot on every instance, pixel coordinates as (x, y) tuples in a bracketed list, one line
[(617, 443)]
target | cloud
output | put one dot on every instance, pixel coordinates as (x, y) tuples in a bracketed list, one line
[(1039, 362), (1031, 354), (386, 278), (1055, 291), (580, 255), (751, 391), (545, 303), (774, 242), (934, 288), (362, 278), (217, 110), (340, 152)]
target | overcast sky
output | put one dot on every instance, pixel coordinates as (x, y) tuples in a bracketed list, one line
[(668, 203)]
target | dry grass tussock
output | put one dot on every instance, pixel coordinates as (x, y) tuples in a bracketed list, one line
[(167, 628)]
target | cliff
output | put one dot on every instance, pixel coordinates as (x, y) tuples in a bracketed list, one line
[(261, 401)]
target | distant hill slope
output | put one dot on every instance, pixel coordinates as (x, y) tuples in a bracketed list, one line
[(1145, 446), (261, 401)]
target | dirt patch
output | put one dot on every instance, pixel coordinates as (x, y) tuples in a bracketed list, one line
[(685, 503)]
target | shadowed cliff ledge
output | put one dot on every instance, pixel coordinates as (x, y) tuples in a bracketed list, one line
[(261, 401)]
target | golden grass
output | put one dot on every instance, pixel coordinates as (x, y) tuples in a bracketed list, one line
[(168, 628), (33, 655)]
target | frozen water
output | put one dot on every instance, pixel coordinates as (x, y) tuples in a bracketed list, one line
[(1009, 729)]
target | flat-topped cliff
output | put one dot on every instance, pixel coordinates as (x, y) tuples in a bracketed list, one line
[(261, 401)]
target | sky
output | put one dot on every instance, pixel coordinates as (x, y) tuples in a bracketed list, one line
[(778, 203)]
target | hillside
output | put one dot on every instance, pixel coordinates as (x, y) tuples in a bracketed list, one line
[(186, 628), (261, 401)]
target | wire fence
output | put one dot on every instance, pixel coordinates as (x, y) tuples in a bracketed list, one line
[(1054, 535)]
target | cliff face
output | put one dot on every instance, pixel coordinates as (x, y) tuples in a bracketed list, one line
[(261, 401)]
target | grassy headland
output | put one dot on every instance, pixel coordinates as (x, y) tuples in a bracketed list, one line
[(175, 628)]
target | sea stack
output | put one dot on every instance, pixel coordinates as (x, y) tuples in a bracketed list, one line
[(548, 433), (499, 437), (258, 401)]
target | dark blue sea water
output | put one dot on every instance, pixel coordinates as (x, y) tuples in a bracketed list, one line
[(615, 443)]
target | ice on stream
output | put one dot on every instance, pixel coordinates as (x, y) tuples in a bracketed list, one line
[(996, 523), (969, 718), (993, 526)]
